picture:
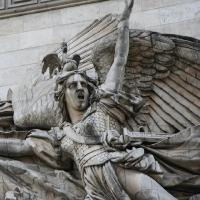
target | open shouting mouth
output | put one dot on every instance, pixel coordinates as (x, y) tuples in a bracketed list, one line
[(80, 95)]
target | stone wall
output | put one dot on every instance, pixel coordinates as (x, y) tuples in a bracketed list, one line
[(24, 40)]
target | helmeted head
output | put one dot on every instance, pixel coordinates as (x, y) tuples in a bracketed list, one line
[(76, 92), (74, 89)]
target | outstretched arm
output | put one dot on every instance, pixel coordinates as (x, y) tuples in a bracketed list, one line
[(115, 75)]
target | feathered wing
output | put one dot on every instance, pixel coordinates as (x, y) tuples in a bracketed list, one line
[(166, 70), (85, 41)]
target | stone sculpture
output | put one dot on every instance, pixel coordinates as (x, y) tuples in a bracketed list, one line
[(133, 133)]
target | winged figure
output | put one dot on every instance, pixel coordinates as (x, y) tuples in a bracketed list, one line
[(130, 122)]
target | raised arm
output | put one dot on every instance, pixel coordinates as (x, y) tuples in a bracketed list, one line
[(115, 75)]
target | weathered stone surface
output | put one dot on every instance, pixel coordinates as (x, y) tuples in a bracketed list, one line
[(165, 15), (156, 4), (119, 146), (188, 27)]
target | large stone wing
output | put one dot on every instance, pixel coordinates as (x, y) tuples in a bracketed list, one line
[(166, 69)]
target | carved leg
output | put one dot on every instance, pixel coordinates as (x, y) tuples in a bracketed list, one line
[(140, 186), (14, 148)]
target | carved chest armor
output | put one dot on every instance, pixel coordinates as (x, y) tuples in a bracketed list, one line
[(97, 123), (94, 124)]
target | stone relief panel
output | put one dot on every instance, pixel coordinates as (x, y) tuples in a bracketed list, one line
[(131, 133)]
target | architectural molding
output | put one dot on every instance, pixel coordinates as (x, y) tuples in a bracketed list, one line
[(11, 8)]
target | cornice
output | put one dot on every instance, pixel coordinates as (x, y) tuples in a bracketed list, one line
[(11, 8)]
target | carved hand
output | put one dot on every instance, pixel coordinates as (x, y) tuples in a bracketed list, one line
[(127, 10), (113, 139)]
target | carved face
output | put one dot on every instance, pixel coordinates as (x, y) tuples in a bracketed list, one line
[(76, 93)]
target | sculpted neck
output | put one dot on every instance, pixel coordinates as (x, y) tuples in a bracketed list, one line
[(75, 115)]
